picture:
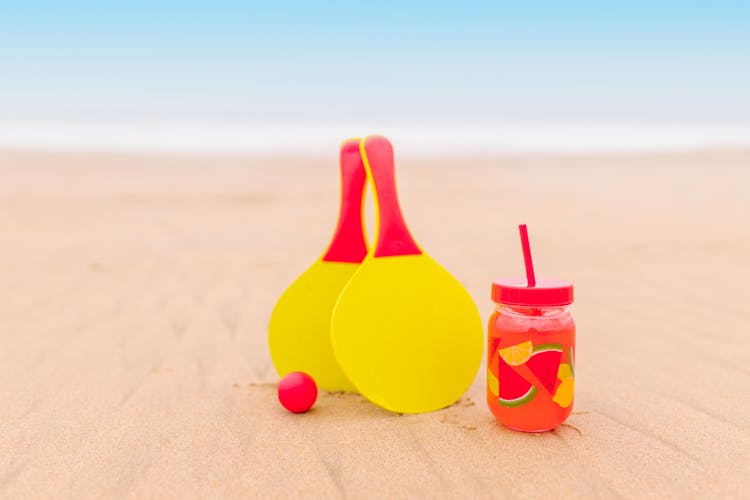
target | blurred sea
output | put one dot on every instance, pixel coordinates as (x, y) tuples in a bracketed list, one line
[(309, 139)]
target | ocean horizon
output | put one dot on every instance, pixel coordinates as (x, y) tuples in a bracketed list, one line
[(310, 139)]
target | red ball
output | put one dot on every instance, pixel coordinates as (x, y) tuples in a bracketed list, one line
[(297, 392)]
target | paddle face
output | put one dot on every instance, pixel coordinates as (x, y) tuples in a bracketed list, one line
[(407, 334), (404, 331), (299, 335), (299, 331)]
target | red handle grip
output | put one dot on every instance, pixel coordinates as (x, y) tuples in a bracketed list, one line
[(392, 236), (348, 243)]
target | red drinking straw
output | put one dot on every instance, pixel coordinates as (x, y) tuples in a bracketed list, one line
[(530, 279)]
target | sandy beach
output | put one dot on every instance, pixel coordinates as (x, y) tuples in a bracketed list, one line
[(135, 293)]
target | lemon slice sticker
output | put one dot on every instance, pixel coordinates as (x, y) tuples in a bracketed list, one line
[(493, 383), (517, 354), (564, 393), (564, 372)]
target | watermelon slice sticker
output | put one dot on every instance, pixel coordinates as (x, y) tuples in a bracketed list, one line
[(544, 364), (513, 389)]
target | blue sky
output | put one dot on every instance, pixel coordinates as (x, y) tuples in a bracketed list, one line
[(446, 62)]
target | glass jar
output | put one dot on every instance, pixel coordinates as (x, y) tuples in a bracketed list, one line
[(531, 354)]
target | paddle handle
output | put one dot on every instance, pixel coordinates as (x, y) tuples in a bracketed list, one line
[(348, 243), (392, 236)]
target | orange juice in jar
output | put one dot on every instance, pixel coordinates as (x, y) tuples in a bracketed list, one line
[(531, 351)]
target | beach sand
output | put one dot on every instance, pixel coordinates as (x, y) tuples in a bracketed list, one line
[(135, 293)]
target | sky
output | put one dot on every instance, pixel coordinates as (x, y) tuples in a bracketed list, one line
[(637, 61)]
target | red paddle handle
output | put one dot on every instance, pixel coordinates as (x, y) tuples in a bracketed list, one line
[(348, 243), (393, 237)]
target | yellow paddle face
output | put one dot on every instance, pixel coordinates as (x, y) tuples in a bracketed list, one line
[(404, 331), (299, 332), (407, 334)]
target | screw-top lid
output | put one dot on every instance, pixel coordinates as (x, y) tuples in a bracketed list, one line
[(530, 291), (546, 292)]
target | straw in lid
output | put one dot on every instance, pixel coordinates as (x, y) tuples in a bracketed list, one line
[(529, 291)]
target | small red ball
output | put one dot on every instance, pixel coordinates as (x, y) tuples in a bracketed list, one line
[(297, 392)]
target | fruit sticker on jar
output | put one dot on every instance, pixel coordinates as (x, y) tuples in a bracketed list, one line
[(530, 357)]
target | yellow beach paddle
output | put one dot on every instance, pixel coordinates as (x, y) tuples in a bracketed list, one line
[(404, 331), (299, 334)]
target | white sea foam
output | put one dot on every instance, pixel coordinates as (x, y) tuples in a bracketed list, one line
[(412, 140)]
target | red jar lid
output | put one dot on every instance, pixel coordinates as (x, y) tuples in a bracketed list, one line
[(547, 292)]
